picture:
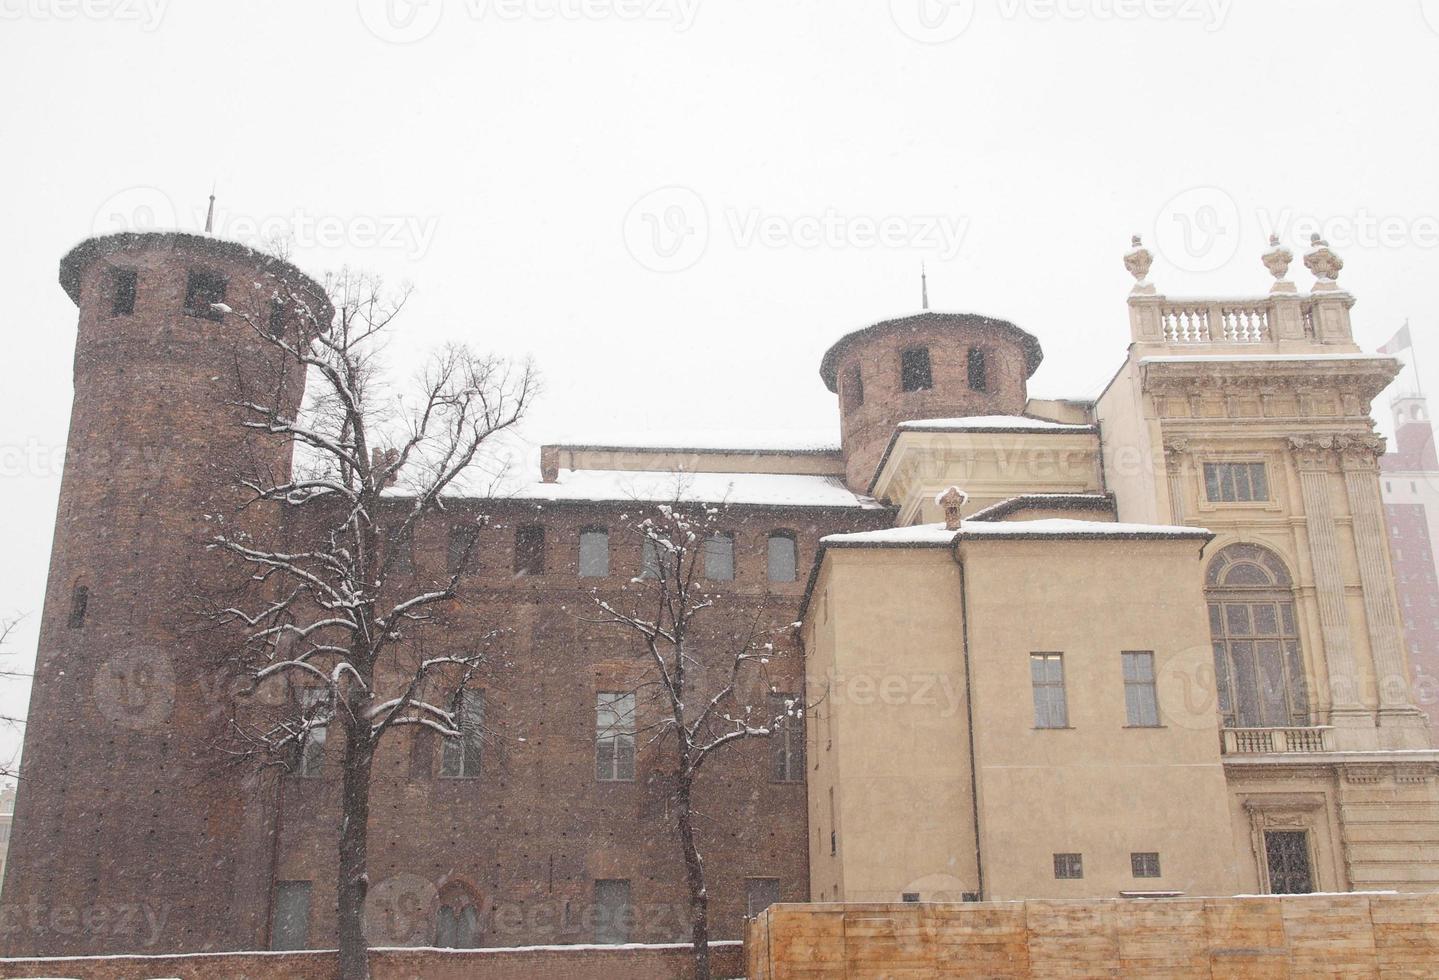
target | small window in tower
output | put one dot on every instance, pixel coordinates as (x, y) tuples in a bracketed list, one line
[(202, 291), (277, 319), (914, 374), (122, 302), (79, 602), (853, 388), (978, 374)]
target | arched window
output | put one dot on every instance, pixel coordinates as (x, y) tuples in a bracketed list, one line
[(457, 921), (1259, 671), (914, 373)]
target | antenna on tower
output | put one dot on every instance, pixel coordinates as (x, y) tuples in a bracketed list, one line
[(210, 214), (923, 286)]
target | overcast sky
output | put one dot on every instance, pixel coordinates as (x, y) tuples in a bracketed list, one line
[(676, 205)]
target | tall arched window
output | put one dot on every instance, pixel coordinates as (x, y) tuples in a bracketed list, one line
[(1258, 667), (457, 921)]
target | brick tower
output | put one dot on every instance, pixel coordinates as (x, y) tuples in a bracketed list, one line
[(132, 832), (927, 366)]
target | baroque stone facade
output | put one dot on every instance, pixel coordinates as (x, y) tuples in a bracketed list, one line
[(1231, 463)]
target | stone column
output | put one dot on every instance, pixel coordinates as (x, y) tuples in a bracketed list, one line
[(1359, 457), (1312, 455)]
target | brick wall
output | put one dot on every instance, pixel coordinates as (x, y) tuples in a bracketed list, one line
[(580, 963), (1357, 935)]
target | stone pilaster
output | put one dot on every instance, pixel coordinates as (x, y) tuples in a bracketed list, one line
[(1313, 455), (1175, 452)]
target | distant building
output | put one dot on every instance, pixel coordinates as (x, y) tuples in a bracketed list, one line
[(1411, 502)]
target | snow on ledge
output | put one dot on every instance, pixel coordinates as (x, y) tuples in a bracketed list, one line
[(938, 536), (710, 441), (993, 423), (759, 489), (1219, 358)]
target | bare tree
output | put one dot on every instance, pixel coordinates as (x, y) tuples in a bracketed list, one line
[(10, 767), (332, 609), (704, 667)]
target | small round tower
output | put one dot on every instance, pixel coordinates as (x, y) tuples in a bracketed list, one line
[(125, 800), (926, 366)]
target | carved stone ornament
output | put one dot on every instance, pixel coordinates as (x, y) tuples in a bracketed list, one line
[(1277, 259), (1138, 261), (1311, 452), (1321, 260), (1360, 452)]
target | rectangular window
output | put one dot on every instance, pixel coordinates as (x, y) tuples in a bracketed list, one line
[(290, 915), (402, 552), (853, 386), (460, 757), (909, 897), (125, 283), (277, 319), (759, 894), (650, 560), (614, 737), (1068, 866), (594, 553), (79, 603), (313, 704), (783, 561), (1286, 856), (719, 557), (1144, 864), (978, 370), (914, 373), (833, 830), (1046, 674), (460, 549), (1230, 483), (1141, 702), (787, 739), (613, 918), (202, 291), (530, 549)]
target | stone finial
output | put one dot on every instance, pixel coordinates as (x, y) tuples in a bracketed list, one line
[(1277, 260), (953, 501), (1322, 261), (1138, 261)]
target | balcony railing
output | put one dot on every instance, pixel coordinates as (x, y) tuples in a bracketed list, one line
[(1280, 320), (1275, 741), (1244, 322)]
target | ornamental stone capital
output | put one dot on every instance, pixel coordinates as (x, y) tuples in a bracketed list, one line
[(1359, 452), (1312, 452)]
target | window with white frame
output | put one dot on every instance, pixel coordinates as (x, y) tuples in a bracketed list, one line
[(1046, 674), (614, 736), (1231, 483)]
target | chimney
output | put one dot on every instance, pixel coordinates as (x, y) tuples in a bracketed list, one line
[(549, 463), (952, 501), (385, 457)]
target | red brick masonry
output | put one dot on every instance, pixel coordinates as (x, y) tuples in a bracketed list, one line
[(666, 962)]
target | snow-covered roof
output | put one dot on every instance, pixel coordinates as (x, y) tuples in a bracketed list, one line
[(938, 536), (760, 489), (1043, 501), (711, 440), (993, 423)]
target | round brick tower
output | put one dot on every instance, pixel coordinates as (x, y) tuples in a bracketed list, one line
[(132, 830), (927, 366)]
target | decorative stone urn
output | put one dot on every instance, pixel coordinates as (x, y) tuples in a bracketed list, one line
[(1138, 262), (1321, 261), (1277, 260)]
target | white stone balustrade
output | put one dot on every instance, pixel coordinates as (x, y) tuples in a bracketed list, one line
[(1276, 741)]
